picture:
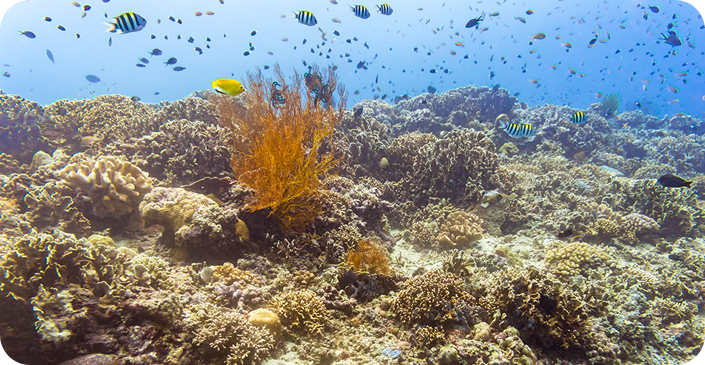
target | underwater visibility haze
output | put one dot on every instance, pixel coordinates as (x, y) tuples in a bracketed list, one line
[(322, 182)]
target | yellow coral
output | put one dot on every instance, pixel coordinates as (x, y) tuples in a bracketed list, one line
[(229, 274), (567, 260)]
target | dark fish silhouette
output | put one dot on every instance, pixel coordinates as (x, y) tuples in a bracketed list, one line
[(475, 21), (673, 181)]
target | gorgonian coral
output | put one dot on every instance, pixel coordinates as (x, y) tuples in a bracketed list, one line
[(279, 147)]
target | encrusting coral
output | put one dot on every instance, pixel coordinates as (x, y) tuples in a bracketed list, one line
[(115, 187), (279, 148)]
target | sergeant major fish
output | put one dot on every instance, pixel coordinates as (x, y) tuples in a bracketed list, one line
[(126, 23), (516, 130)]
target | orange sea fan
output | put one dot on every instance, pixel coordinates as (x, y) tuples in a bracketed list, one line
[(369, 257), (278, 146)]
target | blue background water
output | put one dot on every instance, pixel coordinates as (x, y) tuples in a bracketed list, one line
[(391, 58)]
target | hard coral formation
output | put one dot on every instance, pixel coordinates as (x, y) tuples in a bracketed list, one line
[(300, 310), (432, 299), (228, 335), (574, 258), (115, 187), (280, 150), (460, 228), (20, 128)]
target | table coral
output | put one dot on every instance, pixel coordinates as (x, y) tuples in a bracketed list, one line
[(301, 310), (459, 229), (115, 187)]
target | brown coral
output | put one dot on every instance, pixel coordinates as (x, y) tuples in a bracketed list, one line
[(301, 309), (460, 228), (279, 148), (228, 274), (369, 257)]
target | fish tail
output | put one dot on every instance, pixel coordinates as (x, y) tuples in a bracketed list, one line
[(113, 27)]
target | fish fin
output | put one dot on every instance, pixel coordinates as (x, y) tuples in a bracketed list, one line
[(113, 27), (502, 124)]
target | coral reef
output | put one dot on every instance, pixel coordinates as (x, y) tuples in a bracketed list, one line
[(459, 229), (368, 257), (300, 310), (278, 149), (572, 258), (115, 187), (20, 132)]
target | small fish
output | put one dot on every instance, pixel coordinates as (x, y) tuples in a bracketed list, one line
[(336, 20), (155, 52), (170, 61), (78, 36), (673, 181), (565, 234), (592, 42), (306, 17), (47, 19), (475, 21), (179, 21), (110, 41), (227, 86), (567, 45), (50, 55), (144, 60), (140, 65), (672, 89), (534, 81), (93, 78), (360, 11), (516, 130), (277, 97), (529, 12), (672, 38), (198, 13), (61, 28), (6, 74), (172, 18), (520, 19), (135, 98), (538, 36), (76, 4), (578, 118), (254, 32), (333, 2), (491, 197), (638, 104), (357, 114), (179, 68), (654, 8), (190, 39), (496, 13), (86, 7), (27, 34), (209, 12), (385, 9), (199, 50), (126, 23)]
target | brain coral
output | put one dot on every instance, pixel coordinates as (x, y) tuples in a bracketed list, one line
[(115, 187)]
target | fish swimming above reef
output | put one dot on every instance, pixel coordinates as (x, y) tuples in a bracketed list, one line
[(672, 38), (277, 97), (227, 86), (93, 78), (475, 21), (673, 181), (155, 52), (170, 61), (50, 55), (385, 9), (306, 17), (127, 22), (578, 118), (516, 130), (360, 11)]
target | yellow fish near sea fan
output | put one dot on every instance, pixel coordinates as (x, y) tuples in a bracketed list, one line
[(227, 86)]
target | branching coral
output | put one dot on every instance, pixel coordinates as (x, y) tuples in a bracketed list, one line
[(115, 187), (227, 334), (279, 149), (301, 310)]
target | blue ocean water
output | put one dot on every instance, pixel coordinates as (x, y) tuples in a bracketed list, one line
[(422, 44)]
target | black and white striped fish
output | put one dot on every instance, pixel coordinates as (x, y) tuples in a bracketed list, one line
[(306, 17), (385, 9), (578, 118), (516, 130), (360, 11), (126, 23)]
